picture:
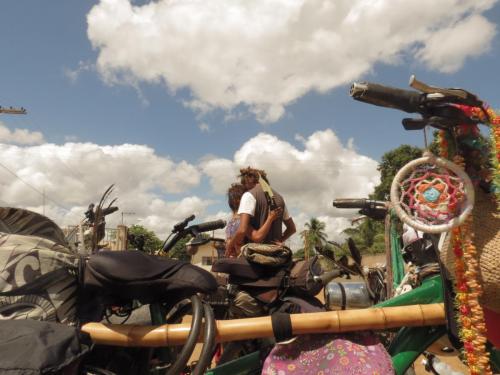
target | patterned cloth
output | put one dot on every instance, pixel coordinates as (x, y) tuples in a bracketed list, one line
[(232, 226), (32, 247), (328, 355)]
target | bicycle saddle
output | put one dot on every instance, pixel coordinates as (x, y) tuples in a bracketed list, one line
[(242, 268), (147, 278)]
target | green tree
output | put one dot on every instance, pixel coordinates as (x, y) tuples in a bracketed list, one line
[(391, 163), (300, 254), (143, 239), (368, 235), (313, 235), (179, 250)]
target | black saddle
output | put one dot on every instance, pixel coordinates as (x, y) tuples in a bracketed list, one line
[(134, 275), (245, 273)]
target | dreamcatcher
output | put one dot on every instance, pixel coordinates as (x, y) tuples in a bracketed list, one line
[(432, 194)]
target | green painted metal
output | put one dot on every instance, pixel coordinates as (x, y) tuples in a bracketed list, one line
[(158, 317), (409, 343), (398, 264), (249, 364), (494, 358), (431, 291)]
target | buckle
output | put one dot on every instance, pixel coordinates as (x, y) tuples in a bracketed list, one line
[(285, 283)]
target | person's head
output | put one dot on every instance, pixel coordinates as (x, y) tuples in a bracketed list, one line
[(234, 194), (250, 177)]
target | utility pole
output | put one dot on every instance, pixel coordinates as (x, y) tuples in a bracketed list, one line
[(13, 111)]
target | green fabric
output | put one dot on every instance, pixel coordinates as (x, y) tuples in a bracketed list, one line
[(398, 266)]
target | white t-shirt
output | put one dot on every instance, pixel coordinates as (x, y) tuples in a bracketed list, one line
[(248, 203)]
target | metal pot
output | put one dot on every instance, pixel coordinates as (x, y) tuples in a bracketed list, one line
[(350, 295)]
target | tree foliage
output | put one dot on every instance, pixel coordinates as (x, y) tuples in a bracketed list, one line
[(391, 163), (314, 235), (368, 235), (143, 239), (179, 250)]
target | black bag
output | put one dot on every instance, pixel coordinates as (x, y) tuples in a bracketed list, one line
[(31, 347), (301, 278)]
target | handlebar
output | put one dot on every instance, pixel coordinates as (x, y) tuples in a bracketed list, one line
[(209, 226), (109, 210), (405, 100), (193, 230), (368, 207), (437, 106), (326, 277), (362, 203), (182, 224)]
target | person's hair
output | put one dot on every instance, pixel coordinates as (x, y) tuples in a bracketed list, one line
[(253, 174), (234, 194)]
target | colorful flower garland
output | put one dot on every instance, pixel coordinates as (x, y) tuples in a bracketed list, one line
[(468, 291), (468, 288)]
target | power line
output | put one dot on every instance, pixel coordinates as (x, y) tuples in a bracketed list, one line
[(34, 188)]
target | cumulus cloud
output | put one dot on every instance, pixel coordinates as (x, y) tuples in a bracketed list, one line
[(157, 190), (309, 177), (447, 49), (266, 54), (204, 127), (20, 136), (74, 74), (73, 175)]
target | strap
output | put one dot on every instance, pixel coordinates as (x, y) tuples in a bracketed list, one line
[(344, 298), (41, 283), (282, 326)]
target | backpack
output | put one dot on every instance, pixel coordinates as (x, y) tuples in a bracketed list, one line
[(301, 278), (269, 255), (38, 271)]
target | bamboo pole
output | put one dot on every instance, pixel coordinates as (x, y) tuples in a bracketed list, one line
[(250, 328)]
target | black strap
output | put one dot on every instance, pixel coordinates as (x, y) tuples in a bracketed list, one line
[(344, 298), (282, 326), (41, 283)]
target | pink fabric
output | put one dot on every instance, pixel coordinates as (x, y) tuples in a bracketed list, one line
[(329, 354)]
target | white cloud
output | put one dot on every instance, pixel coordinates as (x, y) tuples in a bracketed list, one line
[(157, 190), (309, 178), (447, 49), (204, 127), (74, 74), (266, 54), (73, 175), (20, 136)]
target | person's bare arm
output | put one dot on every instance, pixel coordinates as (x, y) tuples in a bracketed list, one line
[(290, 229), (260, 234)]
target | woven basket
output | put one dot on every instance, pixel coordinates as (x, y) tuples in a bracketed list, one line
[(486, 224)]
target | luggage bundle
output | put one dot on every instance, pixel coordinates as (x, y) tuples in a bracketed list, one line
[(265, 274), (38, 271)]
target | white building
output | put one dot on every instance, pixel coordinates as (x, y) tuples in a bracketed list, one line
[(205, 251)]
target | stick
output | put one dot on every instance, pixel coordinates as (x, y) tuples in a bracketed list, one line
[(250, 328)]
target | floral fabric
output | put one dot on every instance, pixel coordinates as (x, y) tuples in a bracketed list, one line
[(329, 354), (232, 226)]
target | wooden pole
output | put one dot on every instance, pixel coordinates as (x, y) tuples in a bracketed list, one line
[(250, 328)]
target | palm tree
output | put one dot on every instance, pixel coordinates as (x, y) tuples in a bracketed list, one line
[(313, 235), (366, 234)]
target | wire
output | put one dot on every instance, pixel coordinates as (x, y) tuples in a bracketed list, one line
[(34, 188)]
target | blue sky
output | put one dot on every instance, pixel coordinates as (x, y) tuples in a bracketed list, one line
[(83, 81)]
